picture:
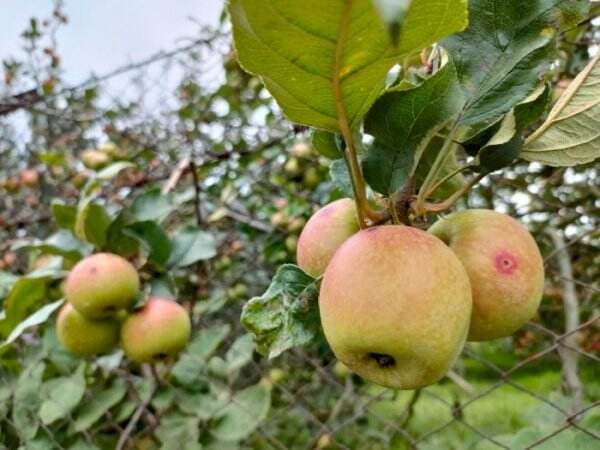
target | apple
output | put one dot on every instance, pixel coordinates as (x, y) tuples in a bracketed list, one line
[(324, 232), (101, 284), (94, 159), (504, 265), (311, 178), (158, 330), (301, 150), (29, 178), (85, 336), (395, 305)]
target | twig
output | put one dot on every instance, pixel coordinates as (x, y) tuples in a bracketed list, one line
[(183, 165), (135, 419), (197, 192)]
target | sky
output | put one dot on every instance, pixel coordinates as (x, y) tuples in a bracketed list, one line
[(102, 35)]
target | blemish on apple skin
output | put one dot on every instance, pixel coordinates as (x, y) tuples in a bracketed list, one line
[(505, 262), (93, 270)]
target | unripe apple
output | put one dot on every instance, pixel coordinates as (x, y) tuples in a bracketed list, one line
[(324, 232), (291, 243), (292, 167), (296, 224), (311, 178), (159, 329), (94, 159), (278, 219), (101, 284), (301, 150), (504, 265), (395, 305), (85, 336)]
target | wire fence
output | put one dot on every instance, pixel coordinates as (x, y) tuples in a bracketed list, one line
[(538, 389)]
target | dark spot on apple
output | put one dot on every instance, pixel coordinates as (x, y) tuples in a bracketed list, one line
[(109, 308), (161, 356), (505, 262), (384, 361), (93, 270)]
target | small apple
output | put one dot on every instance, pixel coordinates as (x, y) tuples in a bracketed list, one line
[(30, 178), (324, 232), (311, 178), (101, 284), (504, 265), (158, 330), (292, 167), (395, 305), (278, 219), (291, 243), (296, 224), (301, 150), (94, 159), (85, 336)]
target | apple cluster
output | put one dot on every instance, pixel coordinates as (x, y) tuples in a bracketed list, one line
[(100, 291), (397, 303)]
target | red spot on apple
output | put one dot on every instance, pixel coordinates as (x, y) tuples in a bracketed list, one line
[(93, 270), (505, 262)]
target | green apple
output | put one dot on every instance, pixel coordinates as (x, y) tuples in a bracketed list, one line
[(324, 232), (85, 336), (158, 330), (395, 305), (101, 284), (504, 265)]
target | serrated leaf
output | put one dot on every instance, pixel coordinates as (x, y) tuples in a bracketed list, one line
[(506, 47), (63, 395), (177, 431), (37, 318), (152, 205), (26, 401), (190, 245), (247, 409), (571, 134), (240, 353), (64, 215), (326, 144), (286, 315), (62, 243), (403, 122), (101, 402), (316, 57), (21, 301)]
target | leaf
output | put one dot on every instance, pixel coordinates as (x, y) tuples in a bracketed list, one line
[(153, 238), (96, 224), (37, 318), (240, 353), (190, 245), (450, 165), (152, 205), (286, 315), (338, 171), (101, 402), (508, 44), (63, 394), (393, 13), (570, 135), (62, 243), (204, 405), (24, 295), (318, 57), (188, 370), (326, 144), (110, 172), (64, 215), (402, 122), (247, 409), (503, 148), (26, 401), (178, 432)]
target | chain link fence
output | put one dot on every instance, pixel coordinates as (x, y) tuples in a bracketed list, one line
[(538, 389)]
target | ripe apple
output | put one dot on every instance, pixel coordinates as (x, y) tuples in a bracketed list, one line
[(159, 329), (395, 305), (504, 265), (85, 336), (324, 232), (101, 284)]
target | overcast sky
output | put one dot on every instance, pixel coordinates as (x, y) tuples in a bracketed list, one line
[(102, 35)]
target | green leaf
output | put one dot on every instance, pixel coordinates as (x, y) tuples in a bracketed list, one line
[(22, 298), (189, 369), (101, 402), (286, 315), (152, 238), (393, 13), (247, 409), (64, 215), (571, 135), (240, 353), (533, 107), (505, 49), (62, 243), (292, 45), (450, 186), (26, 401), (37, 318), (96, 224), (338, 171), (63, 395), (152, 205), (178, 432), (403, 122), (110, 172), (503, 148), (190, 245), (326, 144), (203, 405)]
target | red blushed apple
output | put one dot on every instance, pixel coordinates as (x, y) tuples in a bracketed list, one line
[(505, 268), (395, 305), (101, 284), (158, 330), (322, 235)]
